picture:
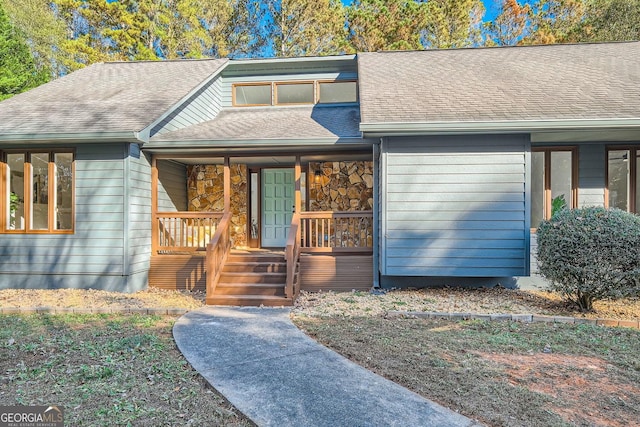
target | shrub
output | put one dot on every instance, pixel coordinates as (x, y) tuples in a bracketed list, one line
[(591, 254)]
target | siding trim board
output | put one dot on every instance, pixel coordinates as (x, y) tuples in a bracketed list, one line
[(477, 221)]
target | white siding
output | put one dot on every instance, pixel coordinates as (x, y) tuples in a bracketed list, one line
[(455, 206)]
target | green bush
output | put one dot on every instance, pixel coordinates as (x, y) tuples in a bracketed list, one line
[(591, 254)]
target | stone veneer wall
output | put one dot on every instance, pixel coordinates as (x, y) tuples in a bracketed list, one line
[(343, 186), (205, 192)]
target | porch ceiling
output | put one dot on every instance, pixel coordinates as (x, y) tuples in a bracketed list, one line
[(274, 160)]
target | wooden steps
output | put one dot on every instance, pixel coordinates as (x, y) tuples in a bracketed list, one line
[(252, 278)]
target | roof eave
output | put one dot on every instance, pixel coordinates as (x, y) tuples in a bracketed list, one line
[(244, 143), (517, 126), (81, 137)]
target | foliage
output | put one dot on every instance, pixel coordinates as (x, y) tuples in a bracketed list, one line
[(510, 26), (558, 204), (609, 20), (303, 28), (555, 21), (18, 70), (453, 23), (591, 254), (385, 25), (14, 202)]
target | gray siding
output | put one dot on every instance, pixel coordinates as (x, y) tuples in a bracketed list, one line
[(455, 206), (97, 244), (227, 97), (591, 171), (172, 186), (95, 255), (139, 207), (202, 106)]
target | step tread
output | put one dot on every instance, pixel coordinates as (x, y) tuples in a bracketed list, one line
[(251, 285), (249, 300)]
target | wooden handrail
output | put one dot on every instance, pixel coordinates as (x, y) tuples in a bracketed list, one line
[(183, 231), (189, 215), (334, 214), (292, 255), (217, 252), (329, 231)]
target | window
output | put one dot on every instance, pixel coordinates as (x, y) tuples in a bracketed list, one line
[(252, 94), (553, 177), (38, 192), (623, 181), (294, 93), (337, 92)]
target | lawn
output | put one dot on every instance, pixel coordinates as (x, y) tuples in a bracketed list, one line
[(501, 373), (106, 370)]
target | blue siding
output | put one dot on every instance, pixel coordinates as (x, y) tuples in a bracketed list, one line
[(455, 206), (203, 105), (96, 254), (591, 171), (139, 217), (172, 186)]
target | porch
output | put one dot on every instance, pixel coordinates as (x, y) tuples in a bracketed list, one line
[(272, 234)]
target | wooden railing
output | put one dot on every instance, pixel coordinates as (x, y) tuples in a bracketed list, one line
[(329, 231), (184, 231), (292, 255), (217, 252)]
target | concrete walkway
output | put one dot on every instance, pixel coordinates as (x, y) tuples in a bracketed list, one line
[(277, 376)]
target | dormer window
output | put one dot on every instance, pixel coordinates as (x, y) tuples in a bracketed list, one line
[(295, 93), (337, 92), (252, 94)]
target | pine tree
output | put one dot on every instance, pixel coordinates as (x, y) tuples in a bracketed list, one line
[(385, 25), (18, 71)]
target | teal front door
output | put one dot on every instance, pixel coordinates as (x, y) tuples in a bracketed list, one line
[(278, 191)]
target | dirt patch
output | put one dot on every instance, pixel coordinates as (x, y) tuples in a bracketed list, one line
[(585, 390)]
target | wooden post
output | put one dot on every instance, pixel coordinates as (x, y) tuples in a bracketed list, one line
[(298, 196), (227, 185), (154, 206)]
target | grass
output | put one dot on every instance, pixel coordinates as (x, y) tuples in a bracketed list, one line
[(106, 370), (501, 373)]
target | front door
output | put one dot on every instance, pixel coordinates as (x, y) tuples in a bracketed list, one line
[(278, 200)]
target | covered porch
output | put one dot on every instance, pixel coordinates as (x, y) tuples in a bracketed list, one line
[(256, 228)]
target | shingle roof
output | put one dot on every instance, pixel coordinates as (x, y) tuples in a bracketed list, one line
[(250, 123), (588, 81), (106, 97)]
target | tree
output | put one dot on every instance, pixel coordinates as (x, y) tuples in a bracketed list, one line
[(453, 23), (510, 26), (18, 70), (43, 31), (611, 20), (555, 21), (304, 28), (386, 24)]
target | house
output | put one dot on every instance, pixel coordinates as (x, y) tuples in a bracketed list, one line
[(386, 169)]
